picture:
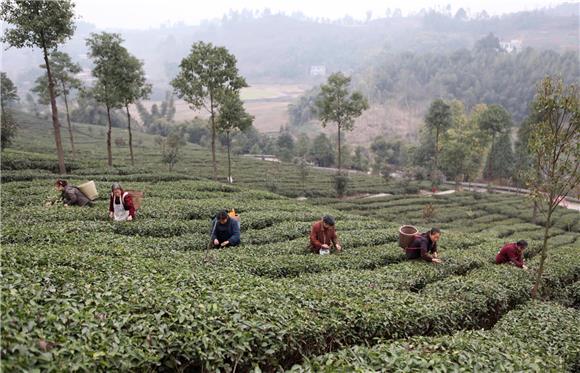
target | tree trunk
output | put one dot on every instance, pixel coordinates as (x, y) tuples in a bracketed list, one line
[(55, 121), (490, 168), (537, 285), (434, 170), (70, 131), (536, 207), (109, 151), (213, 137), (339, 151), (229, 158), (130, 135)]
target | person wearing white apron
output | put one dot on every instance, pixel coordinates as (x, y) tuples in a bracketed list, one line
[(120, 204)]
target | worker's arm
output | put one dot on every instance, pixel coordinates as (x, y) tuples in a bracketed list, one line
[(516, 259), (313, 239)]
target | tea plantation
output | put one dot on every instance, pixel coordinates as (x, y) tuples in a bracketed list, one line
[(81, 293)]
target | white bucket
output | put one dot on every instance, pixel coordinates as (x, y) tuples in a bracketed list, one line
[(324, 251), (89, 189)]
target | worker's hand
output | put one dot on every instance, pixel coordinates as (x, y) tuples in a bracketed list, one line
[(225, 243), (129, 218), (216, 242), (435, 255), (525, 267), (66, 205), (111, 215), (338, 247), (436, 260), (325, 247)]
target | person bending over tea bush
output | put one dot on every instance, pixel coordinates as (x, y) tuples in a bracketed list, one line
[(323, 236), (424, 246), (225, 230), (512, 253), (71, 195)]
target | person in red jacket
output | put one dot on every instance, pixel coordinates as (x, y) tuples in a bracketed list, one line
[(121, 206), (323, 235), (512, 253)]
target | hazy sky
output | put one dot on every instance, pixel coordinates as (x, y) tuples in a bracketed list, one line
[(152, 13)]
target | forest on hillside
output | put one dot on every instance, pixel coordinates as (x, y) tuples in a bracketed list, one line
[(276, 47)]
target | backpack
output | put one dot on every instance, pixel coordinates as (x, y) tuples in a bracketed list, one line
[(137, 197)]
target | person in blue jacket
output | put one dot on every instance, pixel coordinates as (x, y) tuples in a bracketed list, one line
[(225, 231)]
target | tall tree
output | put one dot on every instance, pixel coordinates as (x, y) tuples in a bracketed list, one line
[(462, 147), (525, 161), (555, 141), (335, 104), (232, 117), (44, 24), (8, 95), (494, 121), (108, 56), (501, 155), (133, 87), (438, 119), (321, 152), (170, 147), (206, 76), (63, 72), (360, 160)]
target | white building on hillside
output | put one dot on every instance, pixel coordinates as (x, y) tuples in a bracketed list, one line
[(512, 46), (318, 70)]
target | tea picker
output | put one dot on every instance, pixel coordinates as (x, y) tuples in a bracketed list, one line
[(420, 245), (323, 236)]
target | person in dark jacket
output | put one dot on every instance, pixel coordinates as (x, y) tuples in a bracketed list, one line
[(71, 195), (424, 246), (512, 253), (323, 235), (121, 206), (225, 230)]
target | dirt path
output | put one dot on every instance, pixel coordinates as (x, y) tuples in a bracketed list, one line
[(566, 203)]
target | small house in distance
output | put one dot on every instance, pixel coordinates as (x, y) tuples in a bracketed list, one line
[(512, 46), (318, 70)]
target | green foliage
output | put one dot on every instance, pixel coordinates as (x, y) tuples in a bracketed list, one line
[(8, 95), (361, 159), (501, 156), (341, 184), (81, 292), (63, 71), (43, 24), (471, 76), (303, 110), (108, 56), (170, 147), (8, 91), (89, 110), (549, 330), (322, 153), (555, 144), (232, 118), (157, 121), (207, 76), (438, 119)]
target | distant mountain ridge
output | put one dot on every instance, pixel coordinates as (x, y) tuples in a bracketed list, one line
[(283, 48)]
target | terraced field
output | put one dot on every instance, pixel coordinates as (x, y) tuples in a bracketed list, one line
[(82, 293)]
